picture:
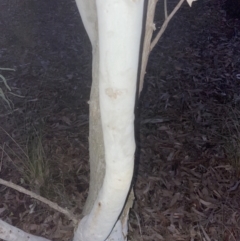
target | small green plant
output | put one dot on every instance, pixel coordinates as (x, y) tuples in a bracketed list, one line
[(31, 162), (36, 166)]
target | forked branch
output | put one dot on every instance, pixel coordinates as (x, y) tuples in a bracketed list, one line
[(165, 24)]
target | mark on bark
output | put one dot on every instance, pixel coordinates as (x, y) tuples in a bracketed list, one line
[(114, 94)]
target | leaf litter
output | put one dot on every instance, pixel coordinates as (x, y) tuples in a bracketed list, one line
[(187, 183)]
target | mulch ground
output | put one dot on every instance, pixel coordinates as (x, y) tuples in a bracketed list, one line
[(188, 165)]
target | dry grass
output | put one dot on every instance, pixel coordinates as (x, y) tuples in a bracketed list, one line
[(36, 166), (30, 161), (5, 84)]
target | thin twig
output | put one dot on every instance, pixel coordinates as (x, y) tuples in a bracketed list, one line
[(9, 69), (165, 9), (14, 141), (42, 199), (165, 24)]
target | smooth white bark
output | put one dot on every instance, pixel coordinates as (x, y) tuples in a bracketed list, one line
[(88, 12), (119, 26), (11, 233)]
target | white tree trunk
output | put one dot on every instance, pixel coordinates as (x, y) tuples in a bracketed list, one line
[(119, 26), (88, 12)]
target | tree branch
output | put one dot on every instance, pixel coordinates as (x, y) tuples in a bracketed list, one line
[(165, 24), (165, 9), (11, 233), (42, 199)]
